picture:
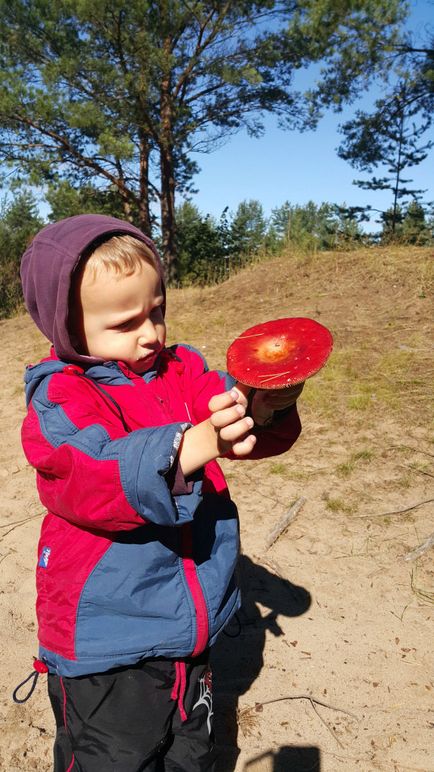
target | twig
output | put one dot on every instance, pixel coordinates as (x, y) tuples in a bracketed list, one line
[(418, 551), (18, 523), (284, 521), (333, 734), (419, 591), (23, 520), (409, 447), (415, 469), (398, 511), (313, 701), (261, 491)]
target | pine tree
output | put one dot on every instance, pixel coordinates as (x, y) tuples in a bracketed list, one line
[(390, 137)]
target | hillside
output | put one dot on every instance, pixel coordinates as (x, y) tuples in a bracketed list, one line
[(332, 610)]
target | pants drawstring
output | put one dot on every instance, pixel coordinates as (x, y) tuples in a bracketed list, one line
[(38, 668), (179, 688)]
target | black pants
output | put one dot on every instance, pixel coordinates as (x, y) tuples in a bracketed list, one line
[(127, 720)]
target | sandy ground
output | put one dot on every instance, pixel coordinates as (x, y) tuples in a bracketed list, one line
[(329, 666)]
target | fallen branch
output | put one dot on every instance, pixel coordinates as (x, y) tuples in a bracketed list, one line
[(418, 551), (398, 511), (323, 721), (284, 521), (313, 701)]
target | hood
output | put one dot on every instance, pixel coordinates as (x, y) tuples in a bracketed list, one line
[(35, 374), (47, 267)]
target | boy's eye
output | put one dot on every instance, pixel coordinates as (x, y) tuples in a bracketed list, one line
[(125, 325)]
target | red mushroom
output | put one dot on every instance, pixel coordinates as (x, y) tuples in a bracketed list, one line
[(279, 353)]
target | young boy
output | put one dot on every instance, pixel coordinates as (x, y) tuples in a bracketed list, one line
[(136, 560)]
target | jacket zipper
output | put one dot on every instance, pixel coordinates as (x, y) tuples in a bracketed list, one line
[(190, 572)]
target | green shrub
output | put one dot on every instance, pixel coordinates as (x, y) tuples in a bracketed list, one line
[(19, 221)]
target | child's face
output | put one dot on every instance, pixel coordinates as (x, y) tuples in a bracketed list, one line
[(121, 316)]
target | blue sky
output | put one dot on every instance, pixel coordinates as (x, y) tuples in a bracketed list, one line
[(299, 167)]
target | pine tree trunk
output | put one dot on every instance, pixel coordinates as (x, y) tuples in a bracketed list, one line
[(145, 222), (168, 218), (398, 172), (167, 173)]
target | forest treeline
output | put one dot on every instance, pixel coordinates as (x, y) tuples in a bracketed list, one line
[(110, 103), (211, 249), (104, 107)]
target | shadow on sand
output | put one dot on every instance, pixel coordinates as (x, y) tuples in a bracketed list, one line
[(287, 759), (237, 659)]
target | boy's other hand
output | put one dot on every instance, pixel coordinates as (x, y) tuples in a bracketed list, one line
[(228, 417), (266, 401), (280, 399), (226, 430)]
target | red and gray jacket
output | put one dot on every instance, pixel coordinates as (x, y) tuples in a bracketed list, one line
[(133, 561)]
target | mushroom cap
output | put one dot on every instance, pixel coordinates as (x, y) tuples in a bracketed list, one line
[(279, 353)]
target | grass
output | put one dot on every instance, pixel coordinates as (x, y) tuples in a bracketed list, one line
[(361, 401), (335, 504), (405, 481), (381, 364), (289, 471), (365, 379), (278, 468), (347, 467)]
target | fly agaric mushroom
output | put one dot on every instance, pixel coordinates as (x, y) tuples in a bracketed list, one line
[(279, 353)]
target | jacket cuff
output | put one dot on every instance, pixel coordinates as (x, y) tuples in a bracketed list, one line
[(148, 457)]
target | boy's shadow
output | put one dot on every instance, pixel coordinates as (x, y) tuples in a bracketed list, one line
[(237, 656)]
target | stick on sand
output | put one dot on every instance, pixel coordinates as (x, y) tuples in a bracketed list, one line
[(284, 521), (416, 553)]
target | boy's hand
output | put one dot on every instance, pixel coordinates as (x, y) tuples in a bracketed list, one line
[(266, 401), (280, 399), (231, 423), (227, 429)]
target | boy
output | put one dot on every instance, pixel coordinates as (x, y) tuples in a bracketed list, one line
[(136, 559)]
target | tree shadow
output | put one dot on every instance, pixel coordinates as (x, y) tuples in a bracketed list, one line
[(237, 657)]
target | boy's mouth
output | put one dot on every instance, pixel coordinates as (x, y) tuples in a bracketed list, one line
[(152, 353), (148, 358)]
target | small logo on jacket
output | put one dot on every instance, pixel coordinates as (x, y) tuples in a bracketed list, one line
[(205, 697), (45, 556)]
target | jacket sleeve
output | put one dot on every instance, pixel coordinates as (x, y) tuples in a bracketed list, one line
[(271, 441), (93, 473)]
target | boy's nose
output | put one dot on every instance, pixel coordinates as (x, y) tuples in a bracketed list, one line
[(148, 333)]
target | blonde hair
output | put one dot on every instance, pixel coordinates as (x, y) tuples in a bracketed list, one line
[(123, 255), (120, 254)]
